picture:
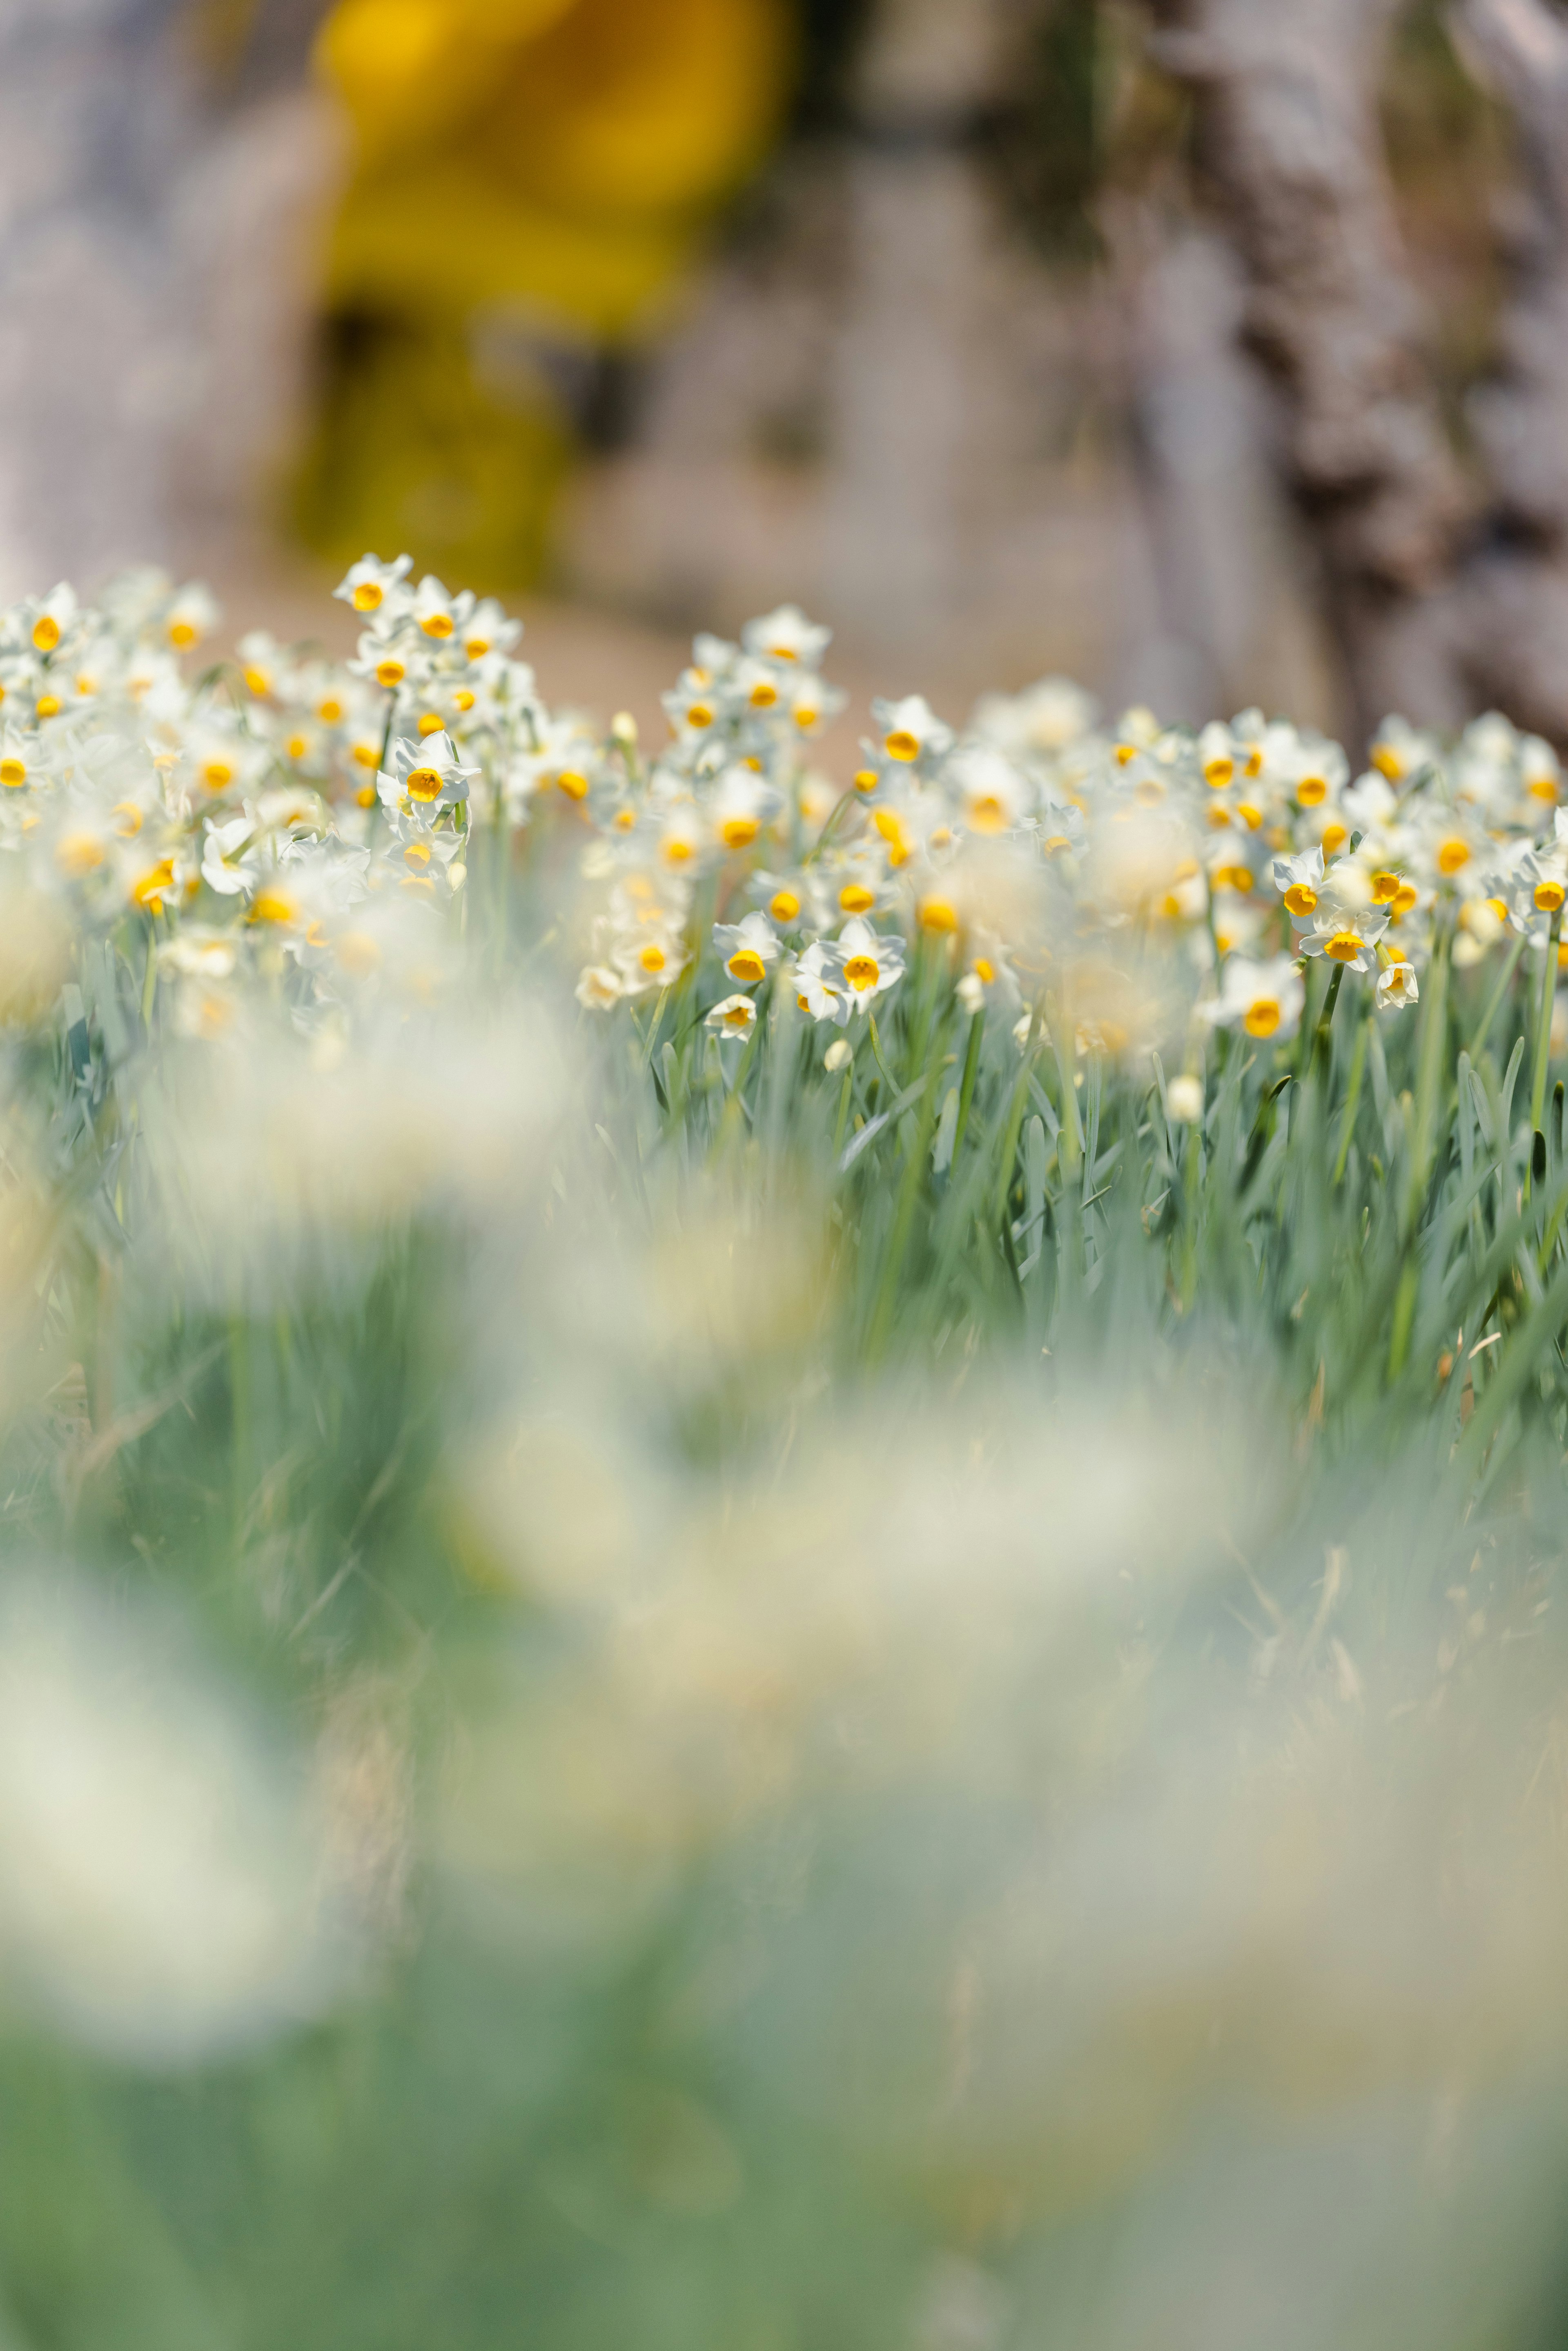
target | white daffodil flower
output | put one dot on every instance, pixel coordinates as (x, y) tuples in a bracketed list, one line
[(818, 990), (750, 948), (656, 959), (1348, 939), (786, 635), (426, 775), (229, 862), (1266, 999), (367, 584), (735, 1016), (864, 965), (910, 730), (598, 987), (1300, 881), (992, 795), (1397, 988)]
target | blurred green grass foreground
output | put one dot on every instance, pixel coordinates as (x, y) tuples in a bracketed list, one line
[(780, 1557)]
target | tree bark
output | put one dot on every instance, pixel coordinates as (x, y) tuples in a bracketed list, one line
[(1512, 642), (1288, 133), (1443, 597)]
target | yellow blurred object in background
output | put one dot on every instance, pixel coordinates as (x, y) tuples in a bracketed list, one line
[(531, 179)]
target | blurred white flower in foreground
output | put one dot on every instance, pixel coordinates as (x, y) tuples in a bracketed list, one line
[(162, 1870)]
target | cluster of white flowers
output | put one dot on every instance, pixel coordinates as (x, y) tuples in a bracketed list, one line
[(293, 825)]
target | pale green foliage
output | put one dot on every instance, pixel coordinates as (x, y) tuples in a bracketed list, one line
[(773, 1684)]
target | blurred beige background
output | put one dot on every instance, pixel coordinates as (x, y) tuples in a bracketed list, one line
[(650, 314)]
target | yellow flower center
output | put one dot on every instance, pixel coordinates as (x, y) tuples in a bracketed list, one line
[(1344, 947), (854, 897), (298, 745), (1218, 773), (573, 783), (367, 754), (217, 775), (1549, 896), (391, 671), (938, 914), (866, 779), (764, 696), (1403, 899), (677, 853), (438, 625), (1335, 838), (1301, 898), (416, 855), (1313, 791), (1263, 1017), (330, 711), (1055, 843), (737, 1017), (805, 717), (130, 819), (1250, 817), (652, 958), (476, 648), (747, 966), (49, 706), (183, 635), (12, 773), (987, 813), (699, 715), (1388, 763), (369, 596), (78, 853), (1125, 754), (148, 891), (1453, 856), (985, 971), (46, 632), (1543, 788), (739, 832), (862, 971), (424, 784), (271, 906), (358, 953), (901, 744), (430, 723), (1385, 889), (365, 797), (784, 905)]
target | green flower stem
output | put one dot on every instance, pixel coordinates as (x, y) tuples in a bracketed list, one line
[(150, 976), (889, 1080), (1429, 1077), (1323, 1033), (1494, 1006), (1014, 1127), (1543, 1037), (734, 1109), (825, 835), (1353, 1094), (846, 1093), (971, 1071), (916, 1171)]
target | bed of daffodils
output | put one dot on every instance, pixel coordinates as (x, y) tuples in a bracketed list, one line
[(779, 1528)]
